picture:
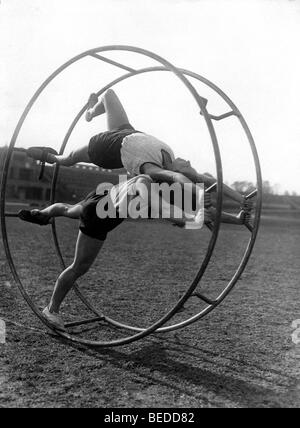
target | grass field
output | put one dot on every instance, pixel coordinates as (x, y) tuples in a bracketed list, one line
[(240, 355)]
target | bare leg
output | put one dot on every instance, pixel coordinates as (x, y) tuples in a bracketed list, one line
[(43, 217), (87, 249), (116, 117), (76, 156), (112, 106), (63, 210)]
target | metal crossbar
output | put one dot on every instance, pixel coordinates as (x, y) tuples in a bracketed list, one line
[(84, 322), (251, 195), (222, 116), (205, 299), (211, 188), (112, 62)]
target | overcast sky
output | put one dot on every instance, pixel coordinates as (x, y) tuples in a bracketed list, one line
[(249, 48)]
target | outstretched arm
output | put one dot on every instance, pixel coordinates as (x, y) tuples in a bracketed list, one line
[(185, 168), (161, 175)]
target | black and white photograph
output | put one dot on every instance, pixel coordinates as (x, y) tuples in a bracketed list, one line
[(149, 207)]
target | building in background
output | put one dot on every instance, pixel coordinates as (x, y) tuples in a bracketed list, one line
[(74, 183)]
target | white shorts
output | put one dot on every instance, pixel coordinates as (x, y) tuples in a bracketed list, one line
[(138, 149)]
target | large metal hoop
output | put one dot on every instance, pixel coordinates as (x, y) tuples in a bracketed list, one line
[(166, 66), (211, 304)]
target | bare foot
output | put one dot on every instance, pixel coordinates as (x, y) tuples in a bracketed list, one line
[(93, 100), (54, 319)]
